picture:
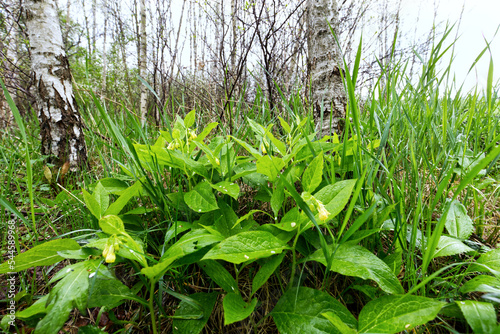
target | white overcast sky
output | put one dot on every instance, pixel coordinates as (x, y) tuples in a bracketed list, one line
[(480, 20)]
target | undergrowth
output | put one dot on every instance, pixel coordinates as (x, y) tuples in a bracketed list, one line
[(197, 225)]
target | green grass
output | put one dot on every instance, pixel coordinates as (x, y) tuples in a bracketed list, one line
[(414, 145)]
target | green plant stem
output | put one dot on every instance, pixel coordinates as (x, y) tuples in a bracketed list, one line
[(152, 307), (294, 259)]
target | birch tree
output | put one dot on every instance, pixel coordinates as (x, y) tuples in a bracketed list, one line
[(60, 123), (328, 93), (142, 62)]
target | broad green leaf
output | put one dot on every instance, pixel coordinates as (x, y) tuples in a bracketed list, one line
[(270, 166), (247, 216), (328, 193), (189, 119), (481, 316), (299, 311), (111, 224), (79, 254), (37, 308), (313, 174), (225, 218), (266, 271), (70, 292), (236, 309), (102, 198), (201, 198), (396, 313), (206, 131), (280, 146), (132, 249), (41, 255), (256, 127), (228, 188), (193, 241), (157, 270), (194, 326), (357, 261), (458, 223), (113, 186), (482, 283), (187, 244), (219, 275), (290, 221), (117, 206), (335, 196), (338, 323), (256, 154), (246, 246), (448, 246), (89, 329), (175, 230), (285, 125), (107, 292), (489, 261), (277, 198), (91, 203)]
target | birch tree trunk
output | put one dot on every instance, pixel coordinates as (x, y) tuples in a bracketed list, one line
[(60, 123), (142, 63), (328, 93)]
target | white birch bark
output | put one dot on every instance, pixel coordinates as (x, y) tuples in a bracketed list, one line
[(60, 123), (142, 63), (328, 93)]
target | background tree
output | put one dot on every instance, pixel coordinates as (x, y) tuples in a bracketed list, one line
[(327, 90), (60, 123)]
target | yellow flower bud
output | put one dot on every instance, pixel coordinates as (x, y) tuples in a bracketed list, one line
[(105, 251), (323, 212), (111, 257), (263, 148), (217, 161), (192, 135), (109, 250)]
